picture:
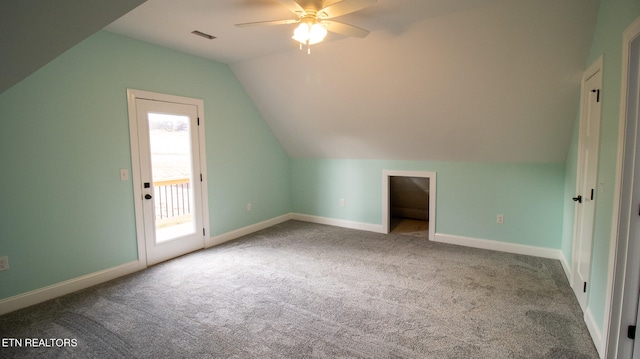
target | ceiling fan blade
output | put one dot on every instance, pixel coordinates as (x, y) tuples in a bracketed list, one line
[(344, 7), (293, 6), (270, 22), (345, 29)]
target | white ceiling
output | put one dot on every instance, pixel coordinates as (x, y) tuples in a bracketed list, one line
[(454, 80)]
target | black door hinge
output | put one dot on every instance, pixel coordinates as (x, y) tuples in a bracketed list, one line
[(198, 121), (631, 332), (584, 288), (203, 232), (592, 194), (597, 95), (201, 177)]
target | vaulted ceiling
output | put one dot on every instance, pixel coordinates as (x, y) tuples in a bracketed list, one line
[(452, 80), (33, 32)]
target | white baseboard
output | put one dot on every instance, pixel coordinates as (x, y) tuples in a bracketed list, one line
[(69, 286), (228, 236), (498, 246), (338, 222), (594, 331), (596, 334), (566, 267), (46, 293), (40, 295)]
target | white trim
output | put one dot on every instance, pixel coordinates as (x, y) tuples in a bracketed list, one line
[(135, 175), (156, 96), (446, 238), (338, 222), (40, 295), (618, 246), (204, 190), (499, 246), (566, 267), (228, 236), (594, 331), (69, 286), (386, 174)]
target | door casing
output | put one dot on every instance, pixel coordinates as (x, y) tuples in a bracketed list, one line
[(623, 286), (386, 174)]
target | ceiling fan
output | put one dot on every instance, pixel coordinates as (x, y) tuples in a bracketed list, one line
[(313, 17)]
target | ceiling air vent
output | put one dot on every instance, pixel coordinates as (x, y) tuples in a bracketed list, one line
[(202, 34)]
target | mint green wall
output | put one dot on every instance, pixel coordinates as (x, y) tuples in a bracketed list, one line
[(469, 196), (614, 17), (64, 136)]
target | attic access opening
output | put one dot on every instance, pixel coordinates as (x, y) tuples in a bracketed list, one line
[(409, 203)]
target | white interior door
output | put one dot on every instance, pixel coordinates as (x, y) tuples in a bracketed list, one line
[(636, 346), (631, 311), (587, 185), (170, 187)]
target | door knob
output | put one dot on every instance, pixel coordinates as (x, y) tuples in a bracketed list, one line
[(577, 199), (147, 196)]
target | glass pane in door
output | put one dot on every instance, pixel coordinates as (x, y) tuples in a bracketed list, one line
[(170, 144)]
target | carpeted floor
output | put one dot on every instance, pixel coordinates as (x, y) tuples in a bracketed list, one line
[(300, 290)]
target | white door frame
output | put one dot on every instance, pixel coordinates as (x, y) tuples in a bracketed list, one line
[(579, 285), (386, 174), (132, 96), (624, 267)]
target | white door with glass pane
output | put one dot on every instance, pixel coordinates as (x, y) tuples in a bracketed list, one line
[(169, 177)]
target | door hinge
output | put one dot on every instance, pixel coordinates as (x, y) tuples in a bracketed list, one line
[(631, 332), (203, 232), (597, 91), (201, 177), (584, 288), (198, 121), (592, 194)]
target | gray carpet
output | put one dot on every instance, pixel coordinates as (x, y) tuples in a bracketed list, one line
[(300, 290)]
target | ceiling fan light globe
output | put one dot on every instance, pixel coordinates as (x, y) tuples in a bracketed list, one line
[(317, 33), (301, 33), (303, 28)]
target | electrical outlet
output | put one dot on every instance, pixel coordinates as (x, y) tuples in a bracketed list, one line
[(249, 207), (341, 202), (500, 219), (4, 263)]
